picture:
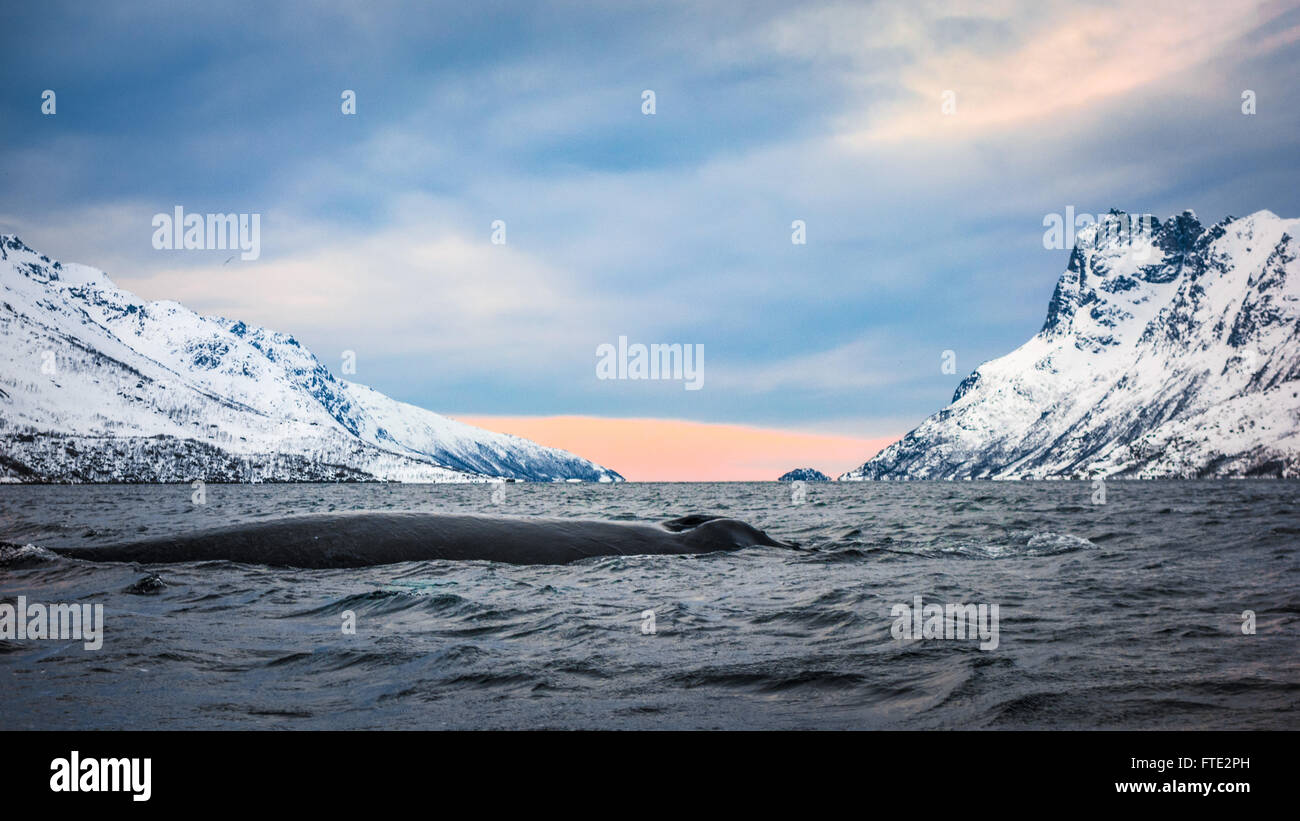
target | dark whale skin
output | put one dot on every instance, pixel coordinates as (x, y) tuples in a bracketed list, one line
[(342, 540)]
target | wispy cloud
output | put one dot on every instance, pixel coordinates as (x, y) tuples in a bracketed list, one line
[(1008, 67)]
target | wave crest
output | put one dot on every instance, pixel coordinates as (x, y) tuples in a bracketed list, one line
[(26, 555)]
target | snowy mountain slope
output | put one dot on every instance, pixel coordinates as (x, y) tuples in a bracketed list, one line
[(1169, 350), (464, 447), (96, 385)]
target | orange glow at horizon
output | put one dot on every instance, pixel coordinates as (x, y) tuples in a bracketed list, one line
[(669, 450)]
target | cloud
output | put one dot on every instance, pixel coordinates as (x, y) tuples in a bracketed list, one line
[(859, 365), (1009, 68), (419, 287)]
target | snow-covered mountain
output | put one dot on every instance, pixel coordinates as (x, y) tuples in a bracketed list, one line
[(1169, 350), (98, 386), (804, 475)]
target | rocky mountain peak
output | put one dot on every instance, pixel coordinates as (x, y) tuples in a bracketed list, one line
[(1169, 349)]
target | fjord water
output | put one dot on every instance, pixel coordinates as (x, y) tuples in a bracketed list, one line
[(1126, 614)]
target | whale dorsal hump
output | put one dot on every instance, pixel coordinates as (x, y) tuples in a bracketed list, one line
[(688, 522)]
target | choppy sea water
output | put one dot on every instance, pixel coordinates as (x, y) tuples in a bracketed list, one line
[(1126, 614)]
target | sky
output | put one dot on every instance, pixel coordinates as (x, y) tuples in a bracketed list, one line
[(920, 145)]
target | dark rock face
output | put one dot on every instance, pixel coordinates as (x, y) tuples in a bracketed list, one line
[(1169, 350)]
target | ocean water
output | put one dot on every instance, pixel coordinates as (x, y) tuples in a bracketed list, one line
[(1126, 614)]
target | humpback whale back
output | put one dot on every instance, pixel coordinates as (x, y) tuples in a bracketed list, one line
[(720, 533), (341, 540)]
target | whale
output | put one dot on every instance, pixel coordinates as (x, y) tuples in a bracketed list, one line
[(364, 539)]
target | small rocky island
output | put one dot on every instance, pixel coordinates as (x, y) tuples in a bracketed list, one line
[(804, 475)]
